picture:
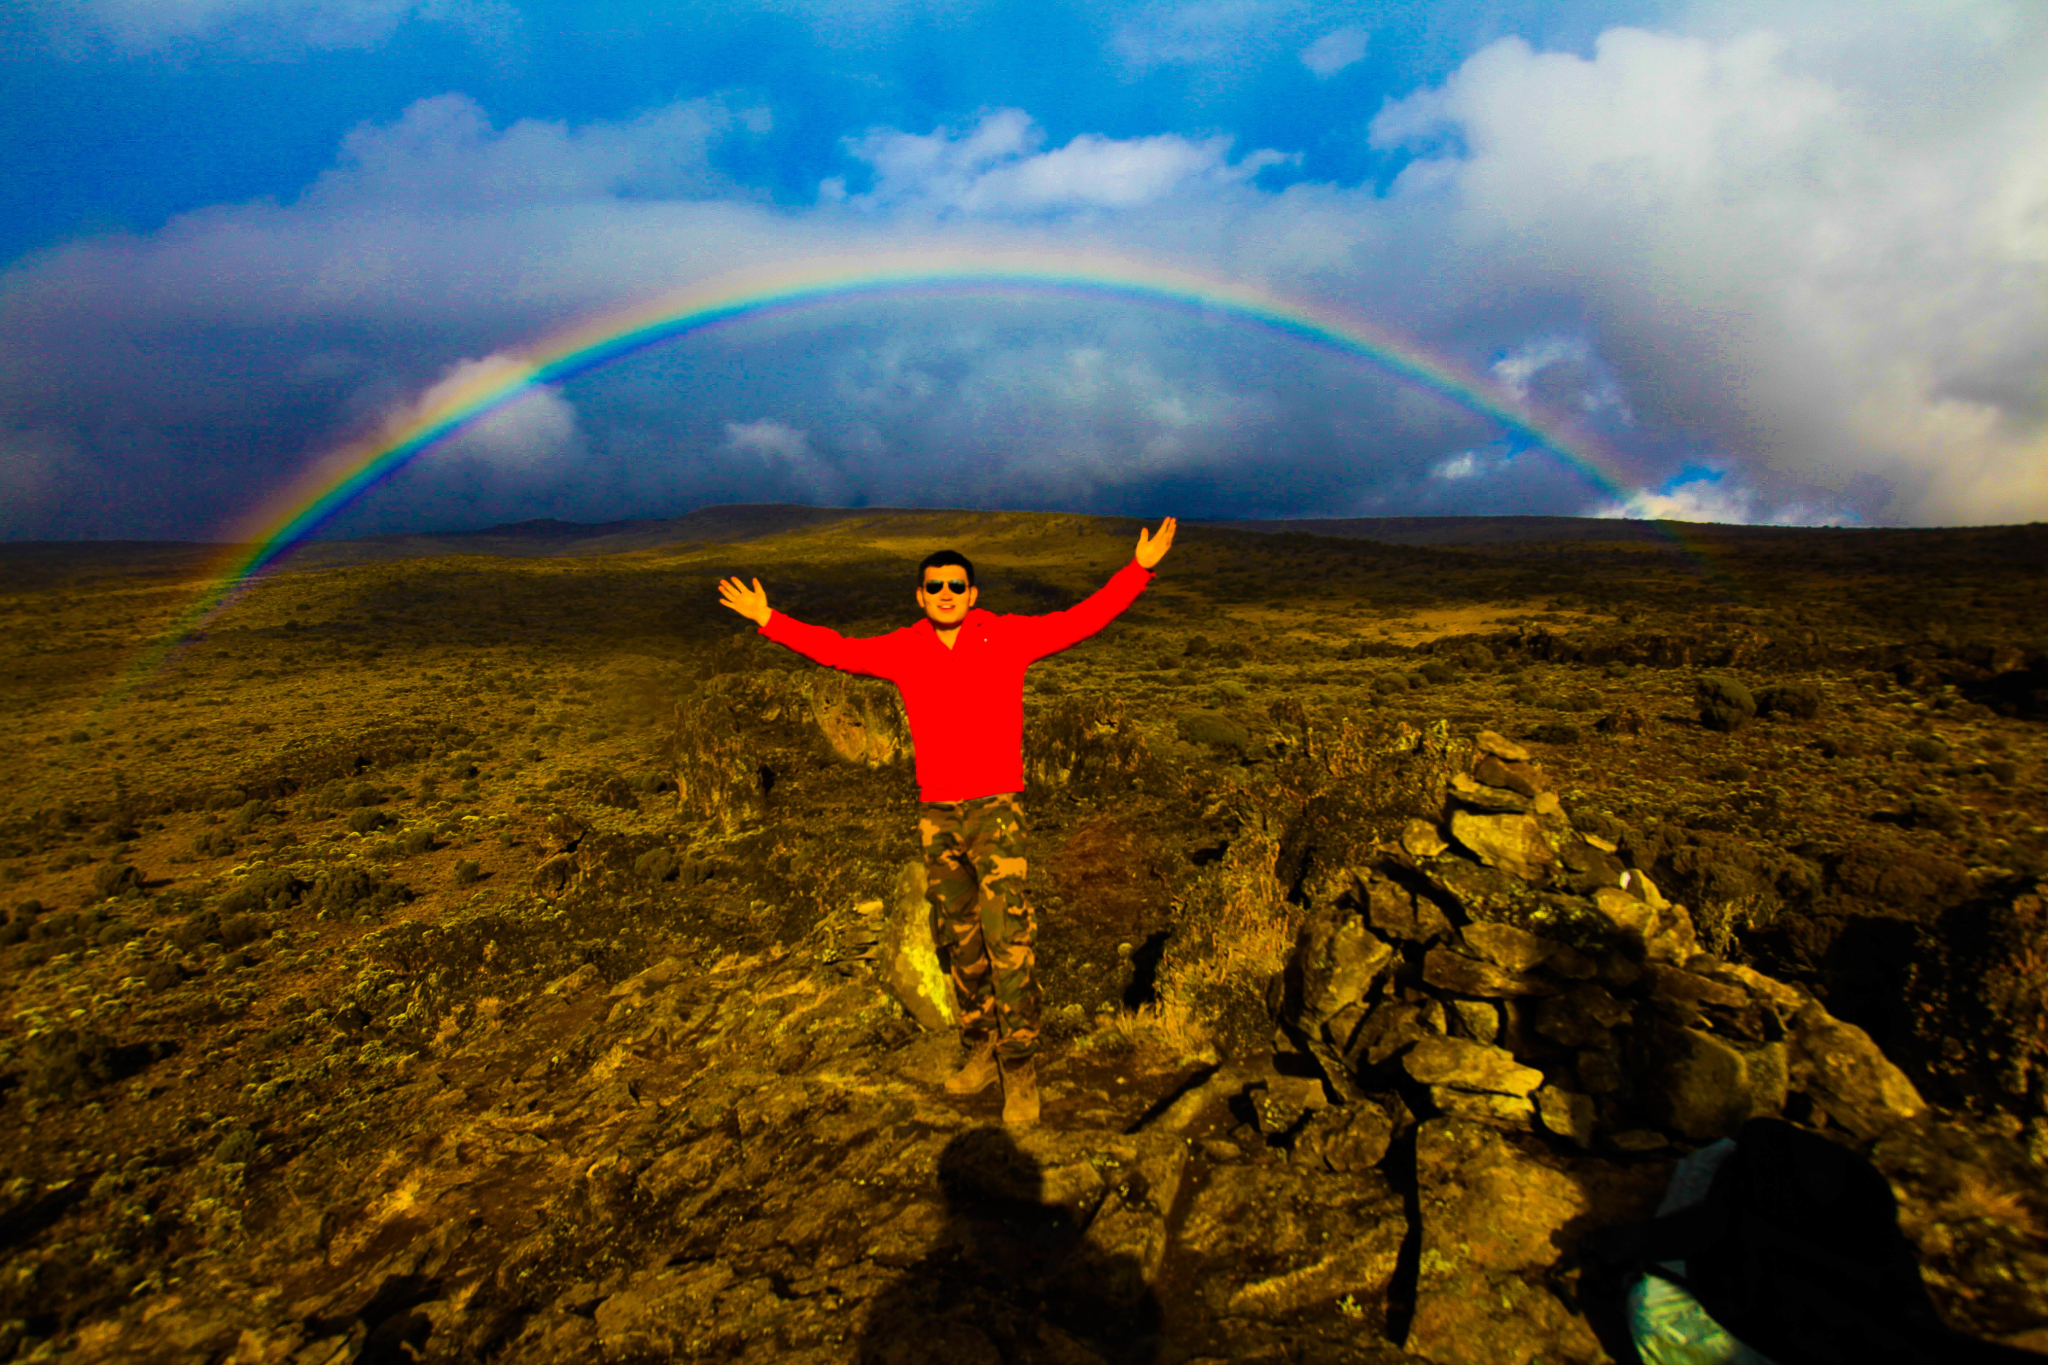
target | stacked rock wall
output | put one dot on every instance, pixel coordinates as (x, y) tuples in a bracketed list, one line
[(1503, 966)]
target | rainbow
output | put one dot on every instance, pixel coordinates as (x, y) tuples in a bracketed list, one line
[(349, 471)]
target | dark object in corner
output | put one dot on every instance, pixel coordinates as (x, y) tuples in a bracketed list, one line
[(1796, 1251)]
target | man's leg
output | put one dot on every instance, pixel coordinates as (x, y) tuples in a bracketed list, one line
[(950, 890), (1008, 928)]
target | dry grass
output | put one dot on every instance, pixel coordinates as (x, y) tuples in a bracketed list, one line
[(1168, 1031)]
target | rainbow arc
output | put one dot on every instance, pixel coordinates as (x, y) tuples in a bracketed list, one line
[(351, 470)]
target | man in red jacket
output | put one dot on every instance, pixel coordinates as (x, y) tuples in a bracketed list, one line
[(961, 673)]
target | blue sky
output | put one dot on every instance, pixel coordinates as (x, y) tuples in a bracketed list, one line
[(1786, 262)]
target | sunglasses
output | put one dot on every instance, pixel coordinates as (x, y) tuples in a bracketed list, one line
[(934, 586)]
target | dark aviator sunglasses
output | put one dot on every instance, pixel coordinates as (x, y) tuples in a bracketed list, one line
[(934, 586)]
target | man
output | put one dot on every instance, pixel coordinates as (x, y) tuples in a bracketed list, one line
[(961, 673)]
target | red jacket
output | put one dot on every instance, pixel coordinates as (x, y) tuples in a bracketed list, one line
[(966, 704)]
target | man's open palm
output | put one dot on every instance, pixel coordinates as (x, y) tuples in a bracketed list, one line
[(751, 603), (1153, 548)]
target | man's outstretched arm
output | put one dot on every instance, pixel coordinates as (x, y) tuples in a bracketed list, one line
[(816, 643), (1060, 629)]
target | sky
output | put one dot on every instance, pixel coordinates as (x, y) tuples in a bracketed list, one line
[(1777, 262)]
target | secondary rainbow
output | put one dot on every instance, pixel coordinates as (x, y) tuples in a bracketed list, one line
[(351, 470)]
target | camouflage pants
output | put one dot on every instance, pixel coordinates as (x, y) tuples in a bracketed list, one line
[(984, 928)]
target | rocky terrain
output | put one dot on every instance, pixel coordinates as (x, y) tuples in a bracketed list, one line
[(467, 958)]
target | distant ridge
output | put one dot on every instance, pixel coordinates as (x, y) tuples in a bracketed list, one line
[(550, 537)]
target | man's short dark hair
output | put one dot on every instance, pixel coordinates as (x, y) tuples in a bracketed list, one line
[(941, 558)]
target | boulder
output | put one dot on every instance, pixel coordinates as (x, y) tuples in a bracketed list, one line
[(1512, 843), (1391, 1027), (1498, 1212), (1492, 742), (1346, 1138), (1523, 778), (1423, 839), (1479, 1019), (1272, 1243), (1846, 1074), (1566, 1113), (1336, 961), (1705, 1087), (1455, 972), (1465, 1065), (1398, 913), (908, 960), (1653, 929), (1480, 796), (1518, 950)]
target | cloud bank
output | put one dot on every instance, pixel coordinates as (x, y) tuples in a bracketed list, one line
[(1762, 285)]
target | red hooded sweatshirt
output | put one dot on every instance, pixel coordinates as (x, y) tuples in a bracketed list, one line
[(966, 704)]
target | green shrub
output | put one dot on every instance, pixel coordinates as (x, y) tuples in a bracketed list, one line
[(114, 879), (212, 843), (1931, 812), (1725, 704), (237, 1148), (65, 1062), (240, 930), (267, 888), (468, 872), (1436, 672), (1794, 701), (1230, 691), (1213, 729), (1927, 748), (418, 841), (367, 820), (1390, 682), (1556, 732), (354, 893), (657, 865)]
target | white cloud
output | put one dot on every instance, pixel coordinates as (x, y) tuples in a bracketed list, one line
[(1335, 50), (262, 28), (769, 439), (1562, 373), (994, 168), (1471, 464), (1705, 493), (1205, 33), (1778, 265), (444, 153), (785, 463), (532, 431)]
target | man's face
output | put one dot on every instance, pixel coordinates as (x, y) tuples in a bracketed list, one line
[(949, 605)]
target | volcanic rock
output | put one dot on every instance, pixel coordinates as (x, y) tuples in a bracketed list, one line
[(1466, 1065), (1847, 1076), (1513, 843), (908, 961)]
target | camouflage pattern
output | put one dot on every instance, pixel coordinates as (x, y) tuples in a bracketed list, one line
[(983, 926)]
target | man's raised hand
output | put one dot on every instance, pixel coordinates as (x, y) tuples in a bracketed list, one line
[(751, 603), (1153, 548)]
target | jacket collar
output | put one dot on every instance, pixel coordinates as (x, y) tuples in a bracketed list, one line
[(975, 616)]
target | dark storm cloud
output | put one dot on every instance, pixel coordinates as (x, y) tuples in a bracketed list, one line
[(1726, 252)]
